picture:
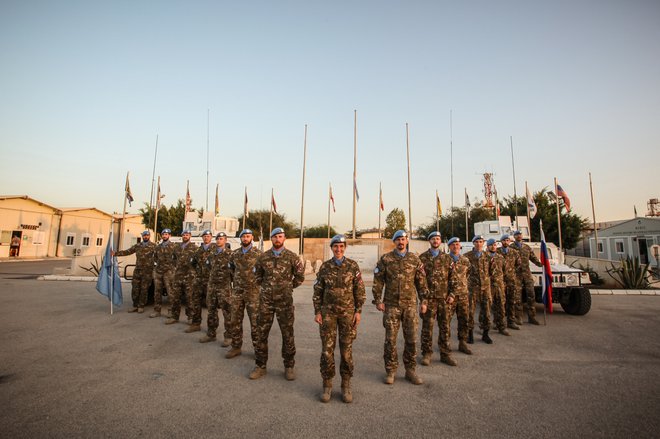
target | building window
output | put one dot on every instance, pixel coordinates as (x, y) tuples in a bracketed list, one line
[(619, 246), (600, 247), (70, 239), (85, 240), (99, 240)]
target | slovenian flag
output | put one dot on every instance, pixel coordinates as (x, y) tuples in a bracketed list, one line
[(546, 278)]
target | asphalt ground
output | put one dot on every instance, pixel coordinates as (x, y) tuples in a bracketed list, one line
[(70, 369), (21, 269)]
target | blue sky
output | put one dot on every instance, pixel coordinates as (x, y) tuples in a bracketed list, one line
[(87, 86)]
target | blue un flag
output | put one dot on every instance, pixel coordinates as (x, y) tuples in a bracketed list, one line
[(109, 283)]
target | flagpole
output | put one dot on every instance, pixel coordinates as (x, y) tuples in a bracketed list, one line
[(545, 321), (112, 274), (354, 166), (123, 213), (467, 210), (451, 168), (244, 207), (593, 213), (380, 199), (558, 217), (515, 195), (270, 223), (157, 209), (217, 200), (302, 197), (529, 220), (437, 212), (153, 178), (329, 193), (208, 124), (408, 160)]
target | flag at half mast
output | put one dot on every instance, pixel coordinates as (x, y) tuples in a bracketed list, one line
[(272, 202), (332, 200), (438, 206), (531, 205), (380, 200), (127, 188), (561, 193)]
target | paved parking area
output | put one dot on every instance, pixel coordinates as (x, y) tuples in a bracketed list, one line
[(69, 369)]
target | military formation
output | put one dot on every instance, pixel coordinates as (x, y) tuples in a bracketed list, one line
[(434, 286)]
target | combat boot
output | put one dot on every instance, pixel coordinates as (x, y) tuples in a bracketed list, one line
[(503, 331), (154, 314), (192, 328), (512, 325), (519, 321), (233, 352), (389, 378), (411, 376), (447, 359), (171, 321), (532, 320), (140, 310), (289, 374), (346, 394), (486, 338), (426, 359), (470, 339), (257, 373), (327, 391), (226, 342), (133, 309), (207, 338), (463, 347)]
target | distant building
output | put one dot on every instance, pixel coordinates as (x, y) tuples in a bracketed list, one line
[(84, 231), (633, 238)]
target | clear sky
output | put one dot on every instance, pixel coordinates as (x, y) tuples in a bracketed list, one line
[(85, 87)]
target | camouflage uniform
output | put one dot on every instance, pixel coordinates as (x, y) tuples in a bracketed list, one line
[(277, 275), (496, 266), (338, 295), (164, 264), (479, 288), (219, 291), (245, 294), (143, 273), (511, 286), (201, 260), (404, 280), (437, 278), (458, 288), (184, 279), (526, 279)]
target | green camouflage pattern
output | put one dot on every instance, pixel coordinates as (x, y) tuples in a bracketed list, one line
[(219, 292), (479, 288), (245, 294), (164, 265), (201, 260), (403, 279), (437, 278), (511, 281), (143, 273), (526, 279), (184, 279), (496, 268)]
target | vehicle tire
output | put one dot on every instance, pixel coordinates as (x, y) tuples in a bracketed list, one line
[(580, 302)]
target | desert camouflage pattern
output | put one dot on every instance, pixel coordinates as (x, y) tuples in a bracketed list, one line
[(496, 266), (245, 294), (437, 278), (479, 288), (511, 281), (458, 289), (219, 292), (184, 279), (164, 265), (143, 273), (201, 260), (526, 279)]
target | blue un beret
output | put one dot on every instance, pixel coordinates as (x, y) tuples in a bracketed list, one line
[(245, 232), (517, 232), (432, 234), (337, 239), (207, 232), (146, 232), (186, 231), (453, 240), (276, 231), (398, 234), (490, 242), (505, 236), (477, 237), (166, 231)]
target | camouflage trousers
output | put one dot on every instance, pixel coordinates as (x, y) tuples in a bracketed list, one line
[(527, 297), (218, 297), (140, 287), (460, 307), (333, 323), (162, 280), (499, 306), (393, 318), (181, 286), (199, 294), (512, 295), (242, 301), (484, 301), (436, 309), (284, 311)]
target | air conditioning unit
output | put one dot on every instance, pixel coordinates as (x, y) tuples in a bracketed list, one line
[(77, 252)]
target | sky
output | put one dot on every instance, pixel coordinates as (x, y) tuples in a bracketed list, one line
[(87, 87)]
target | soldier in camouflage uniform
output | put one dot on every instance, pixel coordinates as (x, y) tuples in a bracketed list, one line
[(245, 292), (143, 273), (402, 275), (458, 292), (278, 271), (184, 278), (495, 267), (219, 290), (525, 278), (479, 288), (201, 260), (436, 266), (511, 287), (338, 298), (164, 263)]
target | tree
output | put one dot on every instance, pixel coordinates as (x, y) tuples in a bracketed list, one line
[(258, 221), (396, 220), (168, 218), (319, 231)]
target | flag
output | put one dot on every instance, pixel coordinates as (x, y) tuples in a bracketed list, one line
[(531, 205), (109, 283), (272, 202), (497, 204), (245, 206), (635, 209), (467, 199), (357, 194), (561, 193), (127, 188), (332, 199), (217, 200), (546, 278), (380, 200), (188, 199), (159, 196), (438, 205)]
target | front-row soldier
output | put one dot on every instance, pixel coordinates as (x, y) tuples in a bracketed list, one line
[(526, 279), (164, 262), (201, 260), (401, 274), (218, 290), (496, 265), (479, 286), (338, 298), (184, 278), (458, 292), (144, 270), (278, 271)]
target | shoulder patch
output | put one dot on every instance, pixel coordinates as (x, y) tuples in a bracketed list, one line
[(376, 270)]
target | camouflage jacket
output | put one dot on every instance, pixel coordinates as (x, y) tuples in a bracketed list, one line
[(220, 273), (403, 278), (164, 258), (458, 276), (243, 267), (279, 275), (511, 265), (144, 255), (526, 255), (183, 255), (479, 277), (201, 260), (437, 273), (496, 269), (339, 288)]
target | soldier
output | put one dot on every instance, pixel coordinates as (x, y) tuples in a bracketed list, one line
[(219, 290), (458, 292), (402, 275), (338, 298), (436, 266), (479, 289), (143, 273), (525, 278), (496, 266), (164, 263), (278, 271), (511, 289), (184, 278), (245, 292), (201, 260)]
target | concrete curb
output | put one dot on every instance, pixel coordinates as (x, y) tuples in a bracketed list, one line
[(625, 292), (60, 277)]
